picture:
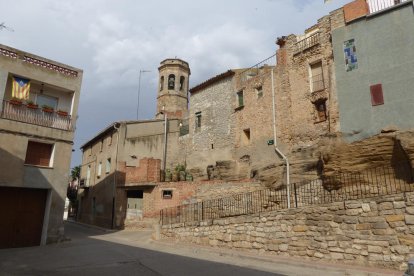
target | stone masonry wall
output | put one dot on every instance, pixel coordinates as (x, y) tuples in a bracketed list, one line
[(376, 231)]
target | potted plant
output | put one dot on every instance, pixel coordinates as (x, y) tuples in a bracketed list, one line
[(47, 108), (16, 101), (62, 113), (31, 104)]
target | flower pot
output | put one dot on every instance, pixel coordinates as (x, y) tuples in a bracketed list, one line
[(47, 110), (175, 176), (32, 106), (168, 176), (62, 113), (16, 102), (182, 175)]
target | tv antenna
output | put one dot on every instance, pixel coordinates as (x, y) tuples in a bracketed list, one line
[(3, 26)]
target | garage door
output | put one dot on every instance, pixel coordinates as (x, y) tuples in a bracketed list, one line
[(21, 216)]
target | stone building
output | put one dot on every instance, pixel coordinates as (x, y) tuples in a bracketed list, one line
[(37, 121)]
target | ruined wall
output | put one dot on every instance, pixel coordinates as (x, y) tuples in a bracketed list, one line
[(376, 232)]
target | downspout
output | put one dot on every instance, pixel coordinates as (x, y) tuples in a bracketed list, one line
[(275, 143), (164, 157), (115, 175)]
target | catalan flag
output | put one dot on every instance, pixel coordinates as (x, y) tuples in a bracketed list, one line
[(21, 88)]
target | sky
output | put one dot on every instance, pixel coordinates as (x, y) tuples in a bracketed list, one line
[(111, 41)]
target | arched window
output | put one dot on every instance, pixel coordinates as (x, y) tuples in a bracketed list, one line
[(162, 83), (171, 81), (182, 79)]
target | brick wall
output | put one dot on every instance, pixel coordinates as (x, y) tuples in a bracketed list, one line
[(377, 232), (147, 171), (355, 9)]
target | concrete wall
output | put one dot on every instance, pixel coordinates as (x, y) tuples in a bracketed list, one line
[(383, 46), (14, 136), (377, 232)]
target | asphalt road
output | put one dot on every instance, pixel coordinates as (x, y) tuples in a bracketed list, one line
[(93, 252)]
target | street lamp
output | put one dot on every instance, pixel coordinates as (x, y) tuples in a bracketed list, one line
[(139, 89)]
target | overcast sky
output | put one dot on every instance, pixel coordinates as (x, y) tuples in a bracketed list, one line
[(112, 40)]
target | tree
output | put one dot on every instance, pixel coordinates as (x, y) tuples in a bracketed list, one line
[(75, 172)]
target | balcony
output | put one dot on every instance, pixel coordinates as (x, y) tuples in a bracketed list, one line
[(379, 5), (36, 116), (307, 43)]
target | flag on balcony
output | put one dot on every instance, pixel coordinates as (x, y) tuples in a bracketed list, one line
[(21, 88)]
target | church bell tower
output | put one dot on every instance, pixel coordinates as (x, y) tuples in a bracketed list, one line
[(172, 98)]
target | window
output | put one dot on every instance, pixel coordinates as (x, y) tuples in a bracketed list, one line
[(162, 83), (246, 136), (316, 77), (321, 110), (99, 170), (182, 79), (101, 145), (171, 81), (39, 154), (42, 100), (259, 92), (108, 166), (240, 99), (88, 175), (110, 139), (198, 119), (167, 194)]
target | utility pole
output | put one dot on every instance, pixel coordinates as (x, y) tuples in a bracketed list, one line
[(139, 89)]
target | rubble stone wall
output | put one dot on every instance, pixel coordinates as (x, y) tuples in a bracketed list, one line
[(377, 231)]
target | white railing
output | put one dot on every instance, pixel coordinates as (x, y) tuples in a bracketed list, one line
[(307, 42), (35, 116), (379, 5)]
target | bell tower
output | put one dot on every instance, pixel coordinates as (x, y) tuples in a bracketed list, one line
[(172, 98)]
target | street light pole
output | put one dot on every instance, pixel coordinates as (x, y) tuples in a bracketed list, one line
[(139, 89)]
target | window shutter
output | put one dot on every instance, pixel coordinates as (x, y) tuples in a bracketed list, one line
[(377, 97)]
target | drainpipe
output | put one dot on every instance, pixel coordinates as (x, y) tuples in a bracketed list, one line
[(164, 157), (275, 143), (116, 127)]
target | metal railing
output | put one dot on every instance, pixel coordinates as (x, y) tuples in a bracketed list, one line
[(374, 182), (257, 69), (35, 116), (379, 5), (307, 42)]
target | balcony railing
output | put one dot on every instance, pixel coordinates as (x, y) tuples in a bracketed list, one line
[(379, 5), (257, 69), (35, 116), (307, 43)]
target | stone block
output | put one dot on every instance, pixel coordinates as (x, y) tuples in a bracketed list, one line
[(353, 212), (380, 225), (337, 256), (318, 255), (397, 224), (399, 204), (300, 228), (410, 210), (406, 239), (383, 232), (365, 207), (374, 249), (375, 257), (283, 247), (409, 219), (363, 226), (401, 249), (385, 206)]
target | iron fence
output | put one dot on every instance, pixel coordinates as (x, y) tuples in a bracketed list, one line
[(307, 42), (384, 180), (257, 69)]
